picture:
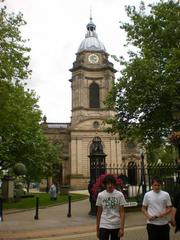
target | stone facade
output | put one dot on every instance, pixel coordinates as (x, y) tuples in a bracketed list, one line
[(92, 79), (58, 133)]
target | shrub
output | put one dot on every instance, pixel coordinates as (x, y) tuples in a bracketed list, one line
[(98, 186)]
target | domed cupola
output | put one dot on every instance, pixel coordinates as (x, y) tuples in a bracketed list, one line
[(91, 41)]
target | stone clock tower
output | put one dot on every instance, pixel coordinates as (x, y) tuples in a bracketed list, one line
[(92, 79)]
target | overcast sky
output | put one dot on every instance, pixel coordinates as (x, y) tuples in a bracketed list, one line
[(55, 29)]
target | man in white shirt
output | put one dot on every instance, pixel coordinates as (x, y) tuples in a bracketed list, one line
[(110, 211), (156, 207)]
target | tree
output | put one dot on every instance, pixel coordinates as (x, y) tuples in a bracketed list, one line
[(22, 138), (19, 125), (14, 58), (148, 92), (40, 160), (163, 154)]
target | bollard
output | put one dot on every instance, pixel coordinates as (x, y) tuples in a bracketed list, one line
[(69, 206), (36, 217), (1, 209)]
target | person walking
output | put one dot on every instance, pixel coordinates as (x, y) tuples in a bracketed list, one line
[(110, 217), (53, 192), (156, 207)]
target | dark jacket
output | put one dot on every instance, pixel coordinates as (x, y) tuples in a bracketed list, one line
[(177, 206)]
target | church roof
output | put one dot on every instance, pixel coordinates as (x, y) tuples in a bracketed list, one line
[(91, 41)]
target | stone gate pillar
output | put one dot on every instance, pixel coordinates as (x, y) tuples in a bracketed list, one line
[(7, 188), (97, 167)]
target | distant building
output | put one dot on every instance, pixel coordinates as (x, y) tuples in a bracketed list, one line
[(92, 79)]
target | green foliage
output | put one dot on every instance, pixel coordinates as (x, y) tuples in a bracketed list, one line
[(13, 55), (22, 137), (18, 190), (163, 154), (19, 124), (41, 160), (19, 169), (148, 91)]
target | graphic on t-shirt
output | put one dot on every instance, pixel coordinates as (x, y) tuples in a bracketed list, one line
[(110, 202)]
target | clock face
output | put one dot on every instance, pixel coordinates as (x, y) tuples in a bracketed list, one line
[(93, 58)]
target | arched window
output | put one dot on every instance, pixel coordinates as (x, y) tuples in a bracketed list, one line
[(94, 96)]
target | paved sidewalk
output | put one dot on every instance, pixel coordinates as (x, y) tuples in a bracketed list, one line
[(53, 221), (53, 224)]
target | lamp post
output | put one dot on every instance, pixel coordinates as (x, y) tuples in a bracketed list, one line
[(143, 177)]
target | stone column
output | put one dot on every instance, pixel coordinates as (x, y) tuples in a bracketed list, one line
[(7, 188)]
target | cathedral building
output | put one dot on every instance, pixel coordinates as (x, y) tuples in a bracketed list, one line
[(92, 78)]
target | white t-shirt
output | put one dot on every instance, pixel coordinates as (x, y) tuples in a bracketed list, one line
[(156, 203), (110, 203)]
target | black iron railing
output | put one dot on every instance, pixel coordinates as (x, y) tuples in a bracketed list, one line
[(134, 179)]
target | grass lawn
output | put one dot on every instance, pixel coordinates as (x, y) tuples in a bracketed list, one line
[(44, 201)]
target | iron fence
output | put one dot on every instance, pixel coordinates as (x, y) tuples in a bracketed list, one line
[(136, 179)]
